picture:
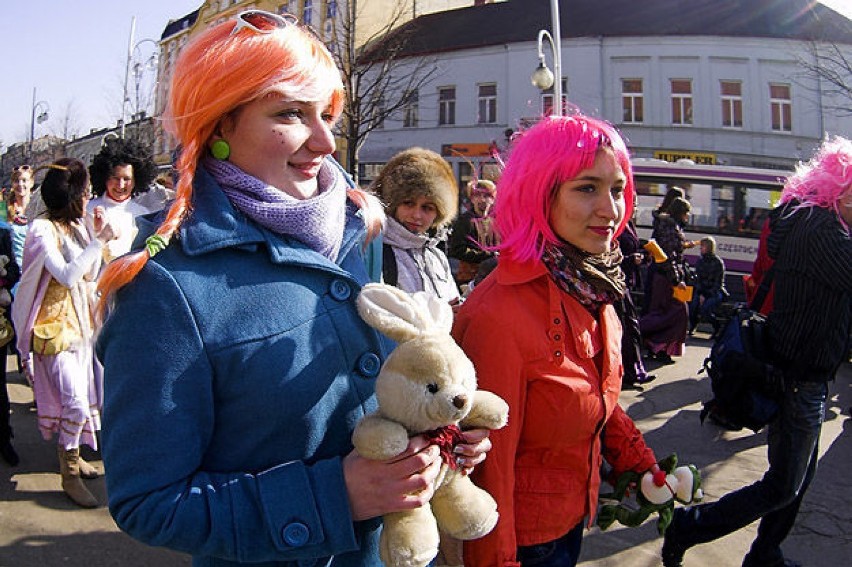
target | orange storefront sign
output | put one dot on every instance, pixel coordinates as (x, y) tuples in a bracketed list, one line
[(466, 150)]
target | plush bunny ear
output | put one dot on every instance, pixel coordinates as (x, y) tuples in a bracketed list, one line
[(401, 316), (440, 312)]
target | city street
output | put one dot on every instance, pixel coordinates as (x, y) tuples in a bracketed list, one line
[(40, 527)]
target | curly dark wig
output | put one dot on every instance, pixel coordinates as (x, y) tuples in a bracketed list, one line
[(116, 152)]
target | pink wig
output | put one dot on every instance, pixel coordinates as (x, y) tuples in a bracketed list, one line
[(217, 73), (825, 179), (542, 158)]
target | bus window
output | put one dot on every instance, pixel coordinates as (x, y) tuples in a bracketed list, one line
[(729, 202)]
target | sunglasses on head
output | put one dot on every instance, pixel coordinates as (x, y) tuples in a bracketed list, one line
[(260, 21)]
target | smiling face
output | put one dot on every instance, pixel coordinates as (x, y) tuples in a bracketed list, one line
[(22, 183), (417, 214), (588, 208), (120, 183), (280, 141)]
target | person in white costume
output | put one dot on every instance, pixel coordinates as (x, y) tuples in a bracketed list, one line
[(121, 172)]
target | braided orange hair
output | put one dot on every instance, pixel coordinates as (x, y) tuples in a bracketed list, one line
[(215, 74)]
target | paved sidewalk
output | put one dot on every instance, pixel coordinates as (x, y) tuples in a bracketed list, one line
[(40, 527), (667, 413)]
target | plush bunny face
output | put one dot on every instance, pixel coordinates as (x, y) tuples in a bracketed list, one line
[(426, 383)]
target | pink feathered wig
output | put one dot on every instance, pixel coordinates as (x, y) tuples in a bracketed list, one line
[(542, 158), (825, 179)]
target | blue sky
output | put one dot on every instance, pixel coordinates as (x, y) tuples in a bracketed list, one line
[(74, 52)]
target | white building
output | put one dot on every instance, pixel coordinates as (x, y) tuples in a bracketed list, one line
[(371, 17), (718, 82)]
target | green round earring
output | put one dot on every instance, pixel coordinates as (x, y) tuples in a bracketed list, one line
[(220, 149)]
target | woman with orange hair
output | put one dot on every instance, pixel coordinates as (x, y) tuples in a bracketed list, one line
[(230, 436)]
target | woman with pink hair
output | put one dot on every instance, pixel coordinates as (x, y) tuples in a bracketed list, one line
[(810, 245), (236, 364), (542, 333)]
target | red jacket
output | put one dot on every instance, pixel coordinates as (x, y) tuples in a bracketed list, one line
[(758, 271), (560, 372)]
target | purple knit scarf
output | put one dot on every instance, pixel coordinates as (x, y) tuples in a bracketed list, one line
[(317, 222)]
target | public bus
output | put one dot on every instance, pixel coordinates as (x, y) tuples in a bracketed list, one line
[(729, 203)]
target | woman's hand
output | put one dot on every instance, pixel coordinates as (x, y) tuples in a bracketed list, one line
[(27, 367), (104, 231), (473, 450), (404, 482)]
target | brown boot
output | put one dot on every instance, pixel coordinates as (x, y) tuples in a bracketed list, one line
[(69, 467), (87, 471)]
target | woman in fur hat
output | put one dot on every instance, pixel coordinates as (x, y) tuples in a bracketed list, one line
[(421, 196)]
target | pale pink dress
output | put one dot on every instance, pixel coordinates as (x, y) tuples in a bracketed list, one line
[(68, 386)]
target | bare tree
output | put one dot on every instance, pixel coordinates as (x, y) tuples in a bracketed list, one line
[(66, 126), (830, 64), (378, 76)]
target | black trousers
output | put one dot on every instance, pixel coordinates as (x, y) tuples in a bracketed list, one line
[(5, 428)]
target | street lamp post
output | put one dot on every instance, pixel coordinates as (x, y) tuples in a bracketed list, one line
[(542, 77), (40, 111), (138, 68)]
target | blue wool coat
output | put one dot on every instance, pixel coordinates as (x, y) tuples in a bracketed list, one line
[(236, 367)]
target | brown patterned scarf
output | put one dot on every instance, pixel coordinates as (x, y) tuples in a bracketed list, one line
[(592, 279)]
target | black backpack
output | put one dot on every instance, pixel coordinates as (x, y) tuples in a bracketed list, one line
[(746, 386), (390, 271)]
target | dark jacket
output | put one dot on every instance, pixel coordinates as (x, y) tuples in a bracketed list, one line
[(710, 275), (466, 239), (669, 235), (810, 323), (630, 244), (13, 270)]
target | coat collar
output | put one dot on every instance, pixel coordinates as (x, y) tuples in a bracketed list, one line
[(510, 272), (214, 224), (586, 331)]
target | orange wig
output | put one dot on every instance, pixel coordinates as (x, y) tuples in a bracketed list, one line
[(216, 74)]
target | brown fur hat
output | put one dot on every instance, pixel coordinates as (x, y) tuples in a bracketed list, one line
[(418, 172)]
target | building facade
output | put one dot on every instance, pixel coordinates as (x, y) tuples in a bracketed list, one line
[(321, 15), (678, 80)]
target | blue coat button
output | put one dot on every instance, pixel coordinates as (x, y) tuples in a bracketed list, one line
[(296, 534), (340, 290), (369, 364)]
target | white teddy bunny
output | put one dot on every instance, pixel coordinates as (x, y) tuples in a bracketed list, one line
[(426, 386)]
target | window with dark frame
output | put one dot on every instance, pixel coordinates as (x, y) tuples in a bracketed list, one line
[(681, 102), (781, 107), (487, 103), (632, 99), (446, 105), (732, 104), (411, 110)]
